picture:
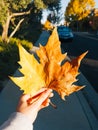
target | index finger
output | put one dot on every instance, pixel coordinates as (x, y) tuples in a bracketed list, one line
[(43, 96)]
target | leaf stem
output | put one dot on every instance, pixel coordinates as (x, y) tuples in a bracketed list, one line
[(53, 105)]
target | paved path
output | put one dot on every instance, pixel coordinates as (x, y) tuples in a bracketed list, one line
[(43, 38), (73, 114)]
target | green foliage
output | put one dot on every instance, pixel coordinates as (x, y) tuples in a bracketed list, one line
[(14, 41), (12, 6), (55, 7), (17, 5), (39, 4), (14, 12), (3, 11), (48, 2), (9, 56), (33, 33)]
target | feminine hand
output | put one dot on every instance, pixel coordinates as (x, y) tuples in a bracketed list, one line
[(30, 106)]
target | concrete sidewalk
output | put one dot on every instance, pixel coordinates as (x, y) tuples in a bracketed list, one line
[(73, 114), (43, 38)]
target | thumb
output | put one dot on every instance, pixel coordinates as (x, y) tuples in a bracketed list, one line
[(24, 97)]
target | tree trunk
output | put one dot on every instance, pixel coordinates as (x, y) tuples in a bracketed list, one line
[(17, 27), (5, 37), (5, 30), (4, 33)]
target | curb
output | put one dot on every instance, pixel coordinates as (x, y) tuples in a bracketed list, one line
[(90, 94)]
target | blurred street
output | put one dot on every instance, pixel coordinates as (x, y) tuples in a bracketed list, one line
[(85, 42)]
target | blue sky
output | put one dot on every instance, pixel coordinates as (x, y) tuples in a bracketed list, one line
[(96, 1)]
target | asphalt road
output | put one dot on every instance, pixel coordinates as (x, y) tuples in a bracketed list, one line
[(85, 42)]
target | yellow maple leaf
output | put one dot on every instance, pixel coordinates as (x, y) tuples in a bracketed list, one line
[(33, 75), (48, 71)]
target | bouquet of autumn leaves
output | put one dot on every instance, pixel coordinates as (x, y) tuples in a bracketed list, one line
[(49, 71)]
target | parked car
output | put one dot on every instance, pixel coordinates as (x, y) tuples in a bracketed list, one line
[(65, 33)]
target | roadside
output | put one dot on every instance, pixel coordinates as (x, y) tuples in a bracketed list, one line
[(43, 38), (3, 84), (87, 35)]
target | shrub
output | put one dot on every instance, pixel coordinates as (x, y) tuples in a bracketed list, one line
[(9, 56)]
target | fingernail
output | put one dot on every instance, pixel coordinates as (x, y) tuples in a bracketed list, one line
[(50, 90)]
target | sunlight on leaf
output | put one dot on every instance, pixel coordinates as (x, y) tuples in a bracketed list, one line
[(48, 71)]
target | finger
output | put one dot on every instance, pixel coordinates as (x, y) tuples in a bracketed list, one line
[(45, 103), (35, 97), (24, 97), (39, 92), (51, 95), (43, 97)]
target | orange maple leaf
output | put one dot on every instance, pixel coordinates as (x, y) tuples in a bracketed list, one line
[(49, 71), (59, 77)]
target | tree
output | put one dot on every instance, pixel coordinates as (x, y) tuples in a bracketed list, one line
[(13, 12), (55, 15), (94, 20), (9, 9), (79, 9), (50, 2), (57, 12)]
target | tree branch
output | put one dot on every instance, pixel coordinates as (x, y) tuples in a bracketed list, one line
[(21, 14), (18, 25)]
